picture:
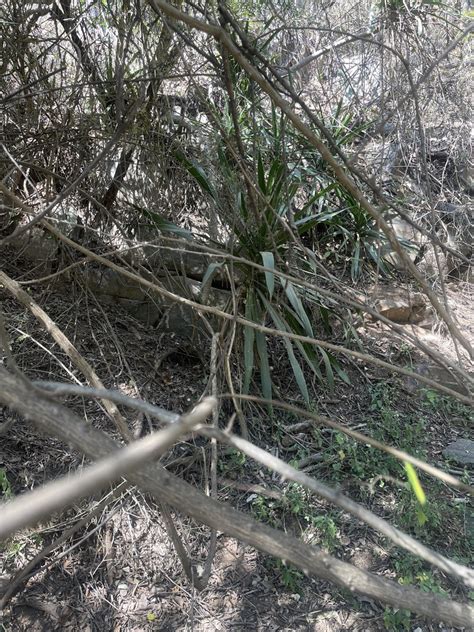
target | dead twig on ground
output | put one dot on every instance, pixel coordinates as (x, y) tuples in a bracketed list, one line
[(60, 422)]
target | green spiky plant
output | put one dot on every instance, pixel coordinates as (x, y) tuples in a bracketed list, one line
[(262, 237), (292, 197)]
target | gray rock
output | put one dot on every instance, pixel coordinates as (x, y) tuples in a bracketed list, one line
[(461, 450), (438, 374)]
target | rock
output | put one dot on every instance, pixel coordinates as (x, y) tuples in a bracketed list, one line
[(454, 227), (438, 374), (37, 246), (410, 239), (412, 242), (151, 307), (467, 177), (461, 451), (459, 234), (401, 306)]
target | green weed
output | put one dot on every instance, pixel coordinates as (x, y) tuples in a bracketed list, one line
[(5, 486)]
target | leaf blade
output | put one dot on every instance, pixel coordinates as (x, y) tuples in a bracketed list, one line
[(269, 262)]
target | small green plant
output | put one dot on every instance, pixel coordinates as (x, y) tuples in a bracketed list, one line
[(233, 462), (297, 502), (396, 620), (447, 406), (290, 577), (328, 531), (295, 499), (411, 571), (14, 547), (5, 487), (264, 510), (432, 398)]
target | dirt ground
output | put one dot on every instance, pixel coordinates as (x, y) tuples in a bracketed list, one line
[(119, 571)]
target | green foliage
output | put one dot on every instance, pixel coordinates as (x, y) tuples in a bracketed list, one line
[(269, 300), (297, 502), (447, 406), (290, 577), (16, 545), (411, 571), (415, 483), (396, 620), (328, 531), (418, 504), (160, 223), (5, 487), (347, 457), (234, 461), (281, 203)]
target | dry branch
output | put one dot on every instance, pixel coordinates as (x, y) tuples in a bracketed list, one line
[(58, 388), (25, 573), (58, 421), (66, 345), (32, 506), (397, 536), (400, 538), (208, 309)]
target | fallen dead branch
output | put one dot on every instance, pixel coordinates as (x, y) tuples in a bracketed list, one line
[(32, 506), (58, 388), (66, 345), (286, 471), (25, 573), (56, 420)]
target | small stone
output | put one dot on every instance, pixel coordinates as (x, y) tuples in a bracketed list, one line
[(461, 451), (401, 307)]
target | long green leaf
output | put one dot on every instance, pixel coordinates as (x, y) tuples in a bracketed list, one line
[(198, 173), (339, 370), (242, 206), (249, 341), (261, 174), (275, 173), (415, 483), (298, 372), (298, 307), (355, 266), (317, 196), (265, 376), (307, 350), (163, 224), (308, 353), (328, 367), (212, 268), (269, 262), (295, 365)]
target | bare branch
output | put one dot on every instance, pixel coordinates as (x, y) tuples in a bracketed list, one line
[(32, 506), (60, 422), (403, 540), (347, 182), (58, 388), (66, 345)]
